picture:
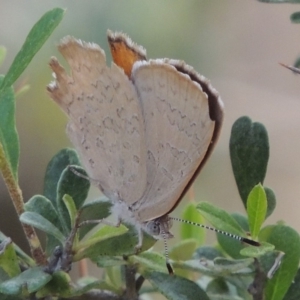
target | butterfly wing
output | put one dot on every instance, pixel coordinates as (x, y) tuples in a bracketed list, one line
[(105, 119), (179, 132)]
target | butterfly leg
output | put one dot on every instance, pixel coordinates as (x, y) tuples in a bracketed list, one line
[(103, 221), (138, 246)]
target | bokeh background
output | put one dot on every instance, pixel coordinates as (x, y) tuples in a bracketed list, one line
[(237, 44)]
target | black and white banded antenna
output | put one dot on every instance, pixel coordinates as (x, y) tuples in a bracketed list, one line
[(233, 236), (168, 264)]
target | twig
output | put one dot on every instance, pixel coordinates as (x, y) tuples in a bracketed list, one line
[(17, 199), (131, 292), (294, 69), (256, 288)]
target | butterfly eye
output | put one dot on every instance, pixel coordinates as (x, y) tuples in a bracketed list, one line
[(153, 228)]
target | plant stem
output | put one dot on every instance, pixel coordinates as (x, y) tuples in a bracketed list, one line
[(130, 293), (17, 199), (256, 288)]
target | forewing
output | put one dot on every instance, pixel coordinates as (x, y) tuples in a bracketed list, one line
[(105, 120)]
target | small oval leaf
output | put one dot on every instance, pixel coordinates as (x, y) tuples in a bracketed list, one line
[(76, 187), (295, 17), (271, 199), (220, 219), (44, 207), (41, 223), (57, 164), (249, 153), (9, 261), (95, 210), (33, 279), (230, 246), (256, 209), (175, 287)]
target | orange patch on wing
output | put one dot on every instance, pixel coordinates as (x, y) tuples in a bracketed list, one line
[(124, 52)]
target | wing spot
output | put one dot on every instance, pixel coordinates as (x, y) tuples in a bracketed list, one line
[(92, 162), (167, 174), (126, 145), (99, 143), (151, 157), (136, 159)]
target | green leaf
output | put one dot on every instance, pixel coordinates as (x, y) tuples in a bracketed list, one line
[(115, 277), (103, 233), (294, 291), (218, 286), (150, 261), (32, 279), (60, 284), (38, 221), (38, 35), (295, 17), (265, 232), (8, 258), (257, 251), (297, 63), (10, 297), (230, 266), (76, 187), (123, 244), (287, 240), (86, 284), (230, 246), (270, 262), (183, 250), (105, 261), (71, 207), (271, 199), (249, 153), (217, 267), (44, 207), (58, 163), (188, 231), (3, 52), (175, 287), (207, 252), (256, 209), (3, 276), (27, 260), (9, 137), (220, 219), (95, 210)]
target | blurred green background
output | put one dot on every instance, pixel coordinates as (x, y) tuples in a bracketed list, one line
[(237, 44)]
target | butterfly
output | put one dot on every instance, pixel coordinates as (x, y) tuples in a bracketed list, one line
[(143, 128)]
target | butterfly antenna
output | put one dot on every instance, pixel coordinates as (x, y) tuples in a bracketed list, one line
[(92, 180), (168, 264), (237, 237)]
